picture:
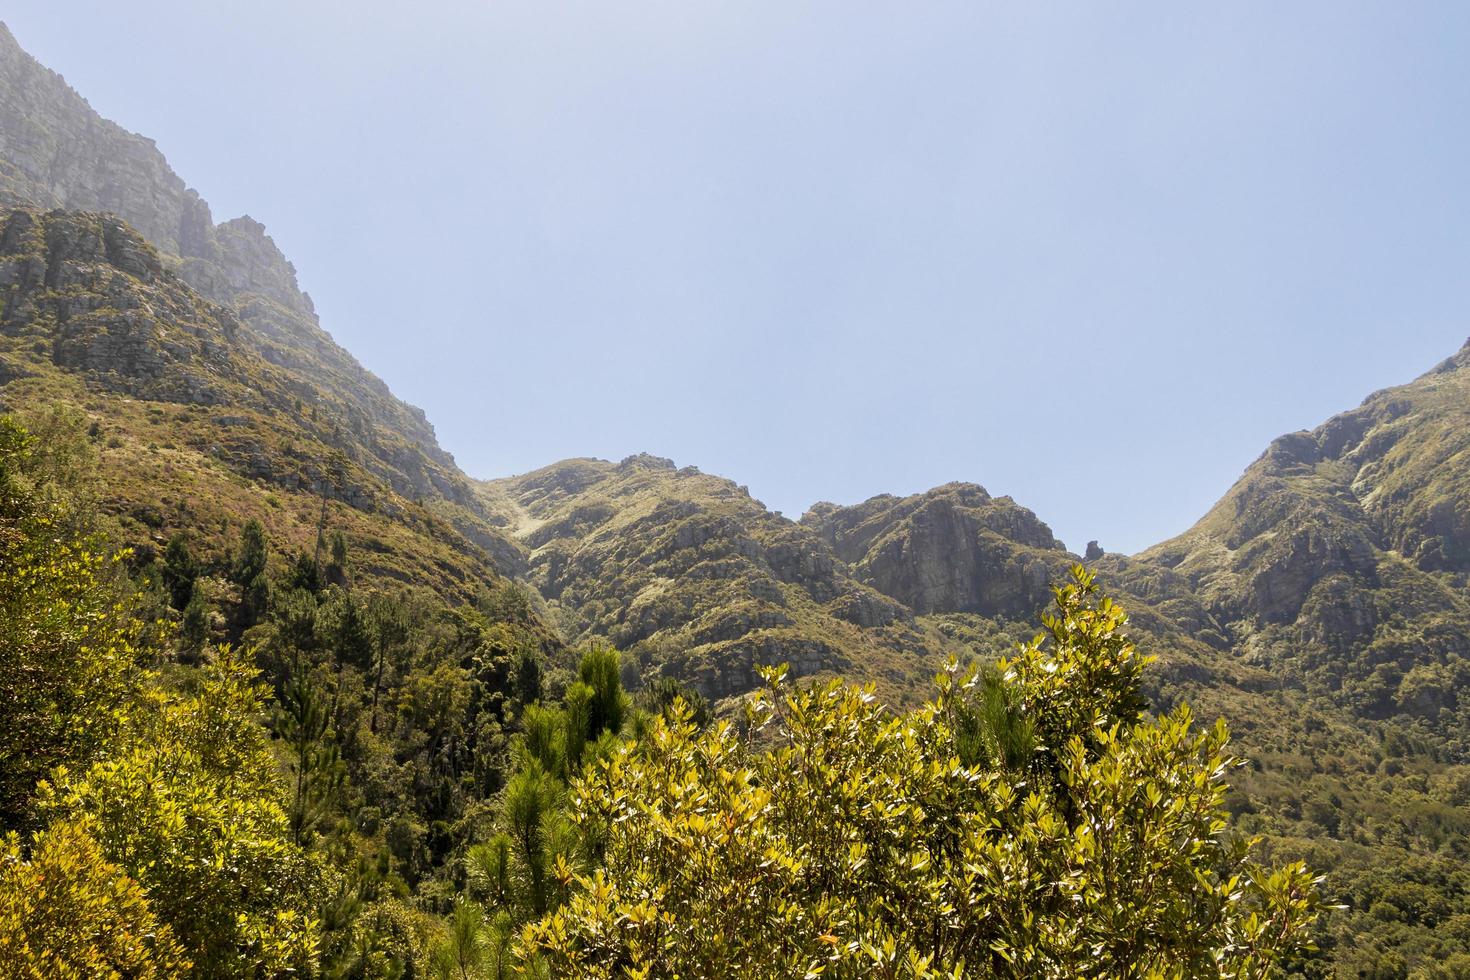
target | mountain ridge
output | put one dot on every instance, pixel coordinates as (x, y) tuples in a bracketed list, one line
[(1320, 604), (56, 151)]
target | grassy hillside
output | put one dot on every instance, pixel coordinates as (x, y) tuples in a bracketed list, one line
[(194, 429), (698, 581)]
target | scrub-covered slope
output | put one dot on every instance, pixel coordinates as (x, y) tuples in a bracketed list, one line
[(1339, 559), (195, 430), (57, 152), (698, 580)]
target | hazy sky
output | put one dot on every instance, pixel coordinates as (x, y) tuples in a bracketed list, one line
[(1094, 256)]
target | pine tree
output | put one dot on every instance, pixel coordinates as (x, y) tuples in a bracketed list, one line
[(248, 572), (180, 569), (315, 770)]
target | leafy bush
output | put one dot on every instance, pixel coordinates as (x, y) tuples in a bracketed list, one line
[(861, 842)]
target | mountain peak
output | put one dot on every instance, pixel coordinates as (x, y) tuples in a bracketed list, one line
[(57, 152)]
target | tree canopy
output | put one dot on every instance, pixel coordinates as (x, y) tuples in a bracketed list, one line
[(1029, 821)]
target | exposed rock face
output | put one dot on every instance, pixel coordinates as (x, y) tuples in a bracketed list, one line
[(699, 580), (56, 152), (114, 314), (952, 549), (1341, 554), (696, 579), (92, 317)]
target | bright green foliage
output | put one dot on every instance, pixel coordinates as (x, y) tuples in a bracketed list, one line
[(544, 737), (467, 937), (608, 706), (67, 641), (1083, 696), (861, 844), (521, 870), (488, 866), (577, 711), (532, 814), (68, 913), (193, 808), (476, 945)]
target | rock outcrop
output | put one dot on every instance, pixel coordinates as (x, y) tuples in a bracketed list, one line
[(696, 579), (188, 413), (57, 152), (952, 549), (1340, 557)]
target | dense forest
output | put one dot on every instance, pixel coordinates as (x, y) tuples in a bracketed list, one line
[(242, 764)]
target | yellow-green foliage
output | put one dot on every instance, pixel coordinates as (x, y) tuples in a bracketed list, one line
[(67, 913), (193, 808), (66, 639), (863, 844)]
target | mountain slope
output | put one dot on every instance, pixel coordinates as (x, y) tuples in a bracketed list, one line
[(1320, 607), (698, 580), (952, 549), (195, 429), (57, 152), (1340, 557), (1297, 610)]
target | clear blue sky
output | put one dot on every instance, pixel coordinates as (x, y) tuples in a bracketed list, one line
[(1094, 256)]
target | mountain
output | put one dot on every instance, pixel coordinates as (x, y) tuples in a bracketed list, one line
[(1320, 606), (952, 549), (696, 579), (300, 413), (57, 152), (1339, 560), (194, 428)]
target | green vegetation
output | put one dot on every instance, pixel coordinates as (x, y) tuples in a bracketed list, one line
[(193, 483), (67, 912), (407, 682), (67, 644), (1060, 836), (379, 786), (219, 522), (174, 806)]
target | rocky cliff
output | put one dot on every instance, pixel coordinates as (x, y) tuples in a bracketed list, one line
[(1339, 558), (697, 579), (952, 549), (57, 152), (195, 429)]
